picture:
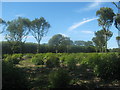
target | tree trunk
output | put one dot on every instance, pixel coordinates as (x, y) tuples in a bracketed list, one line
[(56, 51), (12, 48), (105, 43), (21, 44), (38, 47)]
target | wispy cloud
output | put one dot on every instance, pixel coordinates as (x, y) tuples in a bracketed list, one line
[(94, 4), (88, 32), (80, 23), (91, 6)]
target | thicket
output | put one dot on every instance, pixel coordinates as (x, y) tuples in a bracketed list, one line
[(103, 65)]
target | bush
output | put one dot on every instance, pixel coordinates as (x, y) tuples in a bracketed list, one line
[(93, 60), (52, 61), (15, 58), (108, 67), (59, 79), (13, 78), (71, 62), (38, 59)]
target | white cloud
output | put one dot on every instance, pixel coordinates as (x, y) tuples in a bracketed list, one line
[(80, 23), (88, 32), (91, 6), (94, 4)]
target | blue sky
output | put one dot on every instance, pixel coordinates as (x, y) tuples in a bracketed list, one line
[(76, 20)]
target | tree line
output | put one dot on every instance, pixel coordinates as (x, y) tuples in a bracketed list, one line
[(45, 48)]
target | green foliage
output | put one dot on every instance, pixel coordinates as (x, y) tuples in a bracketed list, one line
[(104, 65), (105, 21), (39, 28), (83, 43), (59, 41), (100, 39), (38, 59), (51, 60), (59, 78), (106, 15), (15, 58), (71, 62), (45, 48), (13, 78), (17, 30), (108, 67)]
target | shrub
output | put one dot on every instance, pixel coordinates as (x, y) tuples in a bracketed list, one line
[(13, 78), (71, 62), (15, 58), (59, 78), (93, 60), (108, 67), (38, 59), (52, 61), (62, 60)]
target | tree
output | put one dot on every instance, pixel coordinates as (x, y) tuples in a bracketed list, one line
[(83, 43), (59, 40), (17, 31), (117, 23), (39, 28), (79, 43), (3, 24), (88, 43), (100, 40), (105, 21), (116, 5)]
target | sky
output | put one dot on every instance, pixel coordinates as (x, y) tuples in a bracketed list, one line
[(76, 20)]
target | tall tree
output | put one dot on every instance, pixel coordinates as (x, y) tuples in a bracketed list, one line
[(59, 40), (17, 31), (117, 23), (100, 40), (105, 21), (39, 28)]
